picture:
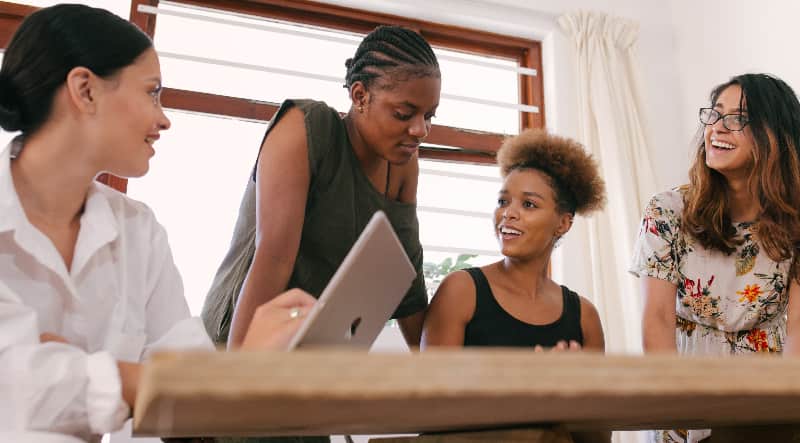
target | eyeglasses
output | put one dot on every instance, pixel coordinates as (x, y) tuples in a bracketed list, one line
[(732, 122)]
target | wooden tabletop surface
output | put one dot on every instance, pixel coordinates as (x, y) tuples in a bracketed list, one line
[(321, 392)]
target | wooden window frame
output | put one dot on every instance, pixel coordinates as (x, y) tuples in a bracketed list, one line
[(474, 146), (11, 15)]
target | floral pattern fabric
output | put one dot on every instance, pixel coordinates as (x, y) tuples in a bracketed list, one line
[(725, 304)]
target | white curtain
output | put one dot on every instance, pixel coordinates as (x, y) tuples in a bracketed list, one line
[(611, 126)]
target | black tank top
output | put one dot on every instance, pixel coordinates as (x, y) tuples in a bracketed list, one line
[(491, 325)]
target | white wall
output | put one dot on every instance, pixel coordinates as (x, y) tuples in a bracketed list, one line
[(716, 39), (656, 53)]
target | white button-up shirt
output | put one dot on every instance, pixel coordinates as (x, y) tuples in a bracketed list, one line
[(121, 299)]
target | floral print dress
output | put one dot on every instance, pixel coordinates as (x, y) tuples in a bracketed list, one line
[(725, 304)]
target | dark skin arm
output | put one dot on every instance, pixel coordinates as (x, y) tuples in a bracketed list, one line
[(411, 326), (592, 329), (283, 179), (451, 309), (593, 338)]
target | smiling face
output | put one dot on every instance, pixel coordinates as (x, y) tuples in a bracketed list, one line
[(397, 119), (729, 152), (129, 117), (527, 220)]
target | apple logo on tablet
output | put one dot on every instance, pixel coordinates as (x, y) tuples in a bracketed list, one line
[(353, 327)]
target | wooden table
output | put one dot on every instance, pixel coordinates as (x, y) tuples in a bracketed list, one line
[(321, 392)]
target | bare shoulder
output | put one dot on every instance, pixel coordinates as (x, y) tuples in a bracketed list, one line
[(450, 311), (408, 177), (455, 294), (588, 308), (292, 124), (285, 147), (457, 282), (593, 336)]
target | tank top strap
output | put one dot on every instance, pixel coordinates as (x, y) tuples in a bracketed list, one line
[(483, 292)]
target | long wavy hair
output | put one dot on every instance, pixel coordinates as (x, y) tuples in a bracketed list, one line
[(774, 120)]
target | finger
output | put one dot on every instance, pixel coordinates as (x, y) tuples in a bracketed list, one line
[(305, 310), (574, 345), (292, 298), (562, 345), (292, 327), (271, 316), (538, 348)]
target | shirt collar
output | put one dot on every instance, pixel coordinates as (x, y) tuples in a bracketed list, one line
[(99, 225)]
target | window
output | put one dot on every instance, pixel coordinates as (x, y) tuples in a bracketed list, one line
[(252, 56), (204, 163), (235, 40)]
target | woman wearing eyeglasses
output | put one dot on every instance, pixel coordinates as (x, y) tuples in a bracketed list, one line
[(717, 257)]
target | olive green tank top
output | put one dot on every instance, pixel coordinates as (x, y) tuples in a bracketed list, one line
[(340, 202)]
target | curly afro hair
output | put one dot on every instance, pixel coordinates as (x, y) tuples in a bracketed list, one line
[(573, 173)]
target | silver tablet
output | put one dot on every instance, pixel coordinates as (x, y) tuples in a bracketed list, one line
[(363, 293)]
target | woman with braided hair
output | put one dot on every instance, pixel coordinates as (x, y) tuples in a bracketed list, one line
[(320, 177)]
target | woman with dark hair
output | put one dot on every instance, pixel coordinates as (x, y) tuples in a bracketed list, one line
[(320, 177), (89, 288), (514, 302), (718, 257)]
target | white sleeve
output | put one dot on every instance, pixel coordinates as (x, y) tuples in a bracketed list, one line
[(52, 386), (169, 323)]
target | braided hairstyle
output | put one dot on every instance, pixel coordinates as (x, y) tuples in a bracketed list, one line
[(391, 50), (48, 45)]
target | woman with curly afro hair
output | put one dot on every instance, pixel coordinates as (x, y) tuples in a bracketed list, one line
[(514, 302)]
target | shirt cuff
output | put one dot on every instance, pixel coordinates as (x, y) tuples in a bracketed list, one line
[(106, 410)]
